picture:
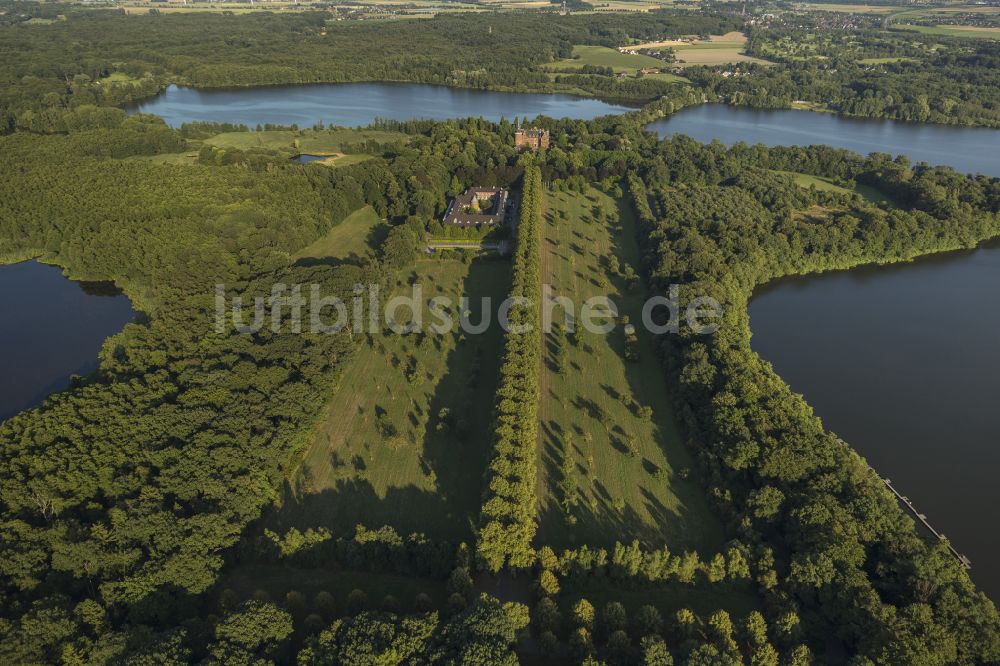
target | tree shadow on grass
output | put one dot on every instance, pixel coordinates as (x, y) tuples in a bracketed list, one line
[(454, 455), (354, 501)]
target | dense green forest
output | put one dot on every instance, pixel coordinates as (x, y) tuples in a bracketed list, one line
[(872, 73), (126, 501)]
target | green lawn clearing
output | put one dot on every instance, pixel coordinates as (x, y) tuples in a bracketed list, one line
[(355, 236), (633, 475), (602, 56), (827, 185), (969, 31), (311, 142), (405, 437)]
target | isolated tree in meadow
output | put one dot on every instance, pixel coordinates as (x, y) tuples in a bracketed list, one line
[(295, 603), (655, 652), (618, 645), (581, 644), (720, 629), (647, 620), (460, 582), (715, 569), (324, 604), (547, 616), (613, 618), (357, 601), (547, 584), (422, 603), (583, 614), (567, 484)]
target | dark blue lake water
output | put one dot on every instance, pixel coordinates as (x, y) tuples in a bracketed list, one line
[(51, 328), (354, 104), (970, 149)]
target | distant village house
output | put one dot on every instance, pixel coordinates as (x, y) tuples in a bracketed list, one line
[(531, 139), (478, 206)]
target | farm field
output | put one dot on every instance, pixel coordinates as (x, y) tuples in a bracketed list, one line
[(629, 467), (719, 50), (405, 436), (716, 50), (846, 8), (979, 32), (602, 56), (356, 236)]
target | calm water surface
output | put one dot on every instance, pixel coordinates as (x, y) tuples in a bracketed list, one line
[(51, 328), (970, 149), (355, 104), (903, 363)]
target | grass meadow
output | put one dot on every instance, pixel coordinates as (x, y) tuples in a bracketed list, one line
[(967, 31), (311, 142), (825, 184), (405, 437), (592, 403), (602, 56), (354, 237)]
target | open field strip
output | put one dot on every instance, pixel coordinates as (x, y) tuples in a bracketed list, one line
[(311, 142), (978, 32), (602, 56), (404, 438), (354, 237), (716, 50), (845, 8), (612, 417), (827, 185)]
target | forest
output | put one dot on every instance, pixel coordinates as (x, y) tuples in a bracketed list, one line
[(131, 504)]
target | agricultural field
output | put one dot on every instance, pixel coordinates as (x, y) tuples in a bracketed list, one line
[(629, 475), (846, 8), (602, 56), (968, 31), (405, 436), (355, 237), (716, 50)]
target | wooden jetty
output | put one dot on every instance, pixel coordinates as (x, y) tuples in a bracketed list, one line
[(965, 561)]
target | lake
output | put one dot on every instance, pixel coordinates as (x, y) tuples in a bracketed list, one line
[(357, 104), (52, 328), (902, 362), (969, 149)]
